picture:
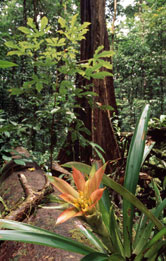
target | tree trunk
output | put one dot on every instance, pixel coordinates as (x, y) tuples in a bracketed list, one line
[(96, 120), (93, 11)]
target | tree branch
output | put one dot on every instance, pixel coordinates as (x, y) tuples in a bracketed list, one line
[(32, 199)]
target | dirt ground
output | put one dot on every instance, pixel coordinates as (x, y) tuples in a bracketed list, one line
[(21, 251), (12, 193)]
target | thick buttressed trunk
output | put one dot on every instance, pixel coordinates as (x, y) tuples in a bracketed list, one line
[(93, 11)]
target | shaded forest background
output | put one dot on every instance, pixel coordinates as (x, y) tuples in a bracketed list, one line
[(44, 105)]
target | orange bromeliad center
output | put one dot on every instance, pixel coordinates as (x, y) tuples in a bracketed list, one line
[(84, 198), (82, 203)]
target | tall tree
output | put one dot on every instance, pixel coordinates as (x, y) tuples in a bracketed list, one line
[(99, 120), (96, 117)]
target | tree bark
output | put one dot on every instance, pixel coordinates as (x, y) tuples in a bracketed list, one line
[(93, 11)]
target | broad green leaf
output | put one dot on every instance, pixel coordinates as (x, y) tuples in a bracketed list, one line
[(84, 168), (44, 22), (107, 65), (47, 29), (101, 75), (24, 30), (62, 22), (73, 20), (6, 64), (96, 67), (104, 54), (31, 23), (61, 42), (106, 107), (134, 161), (60, 32), (101, 47), (39, 86), (16, 91), (26, 45), (93, 170), (10, 224), (136, 152), (6, 158), (19, 53), (8, 127), (85, 25), (20, 162), (7, 134), (10, 44)]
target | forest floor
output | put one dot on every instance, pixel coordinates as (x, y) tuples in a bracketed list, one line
[(11, 190), (43, 218), (12, 193)]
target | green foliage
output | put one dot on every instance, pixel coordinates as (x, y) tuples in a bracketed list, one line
[(94, 65), (48, 86), (139, 62), (7, 129), (135, 245), (132, 174), (6, 64), (158, 122), (146, 241), (35, 235), (8, 139)]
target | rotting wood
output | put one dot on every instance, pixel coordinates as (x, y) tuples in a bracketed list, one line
[(32, 199)]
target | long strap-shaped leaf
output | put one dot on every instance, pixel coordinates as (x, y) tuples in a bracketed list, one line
[(31, 234), (120, 190), (155, 241), (95, 257), (132, 199), (144, 235), (133, 166)]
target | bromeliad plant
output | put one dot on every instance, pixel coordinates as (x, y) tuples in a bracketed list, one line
[(84, 199), (117, 238)]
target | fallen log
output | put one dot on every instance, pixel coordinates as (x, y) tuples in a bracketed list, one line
[(22, 187), (32, 199)]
